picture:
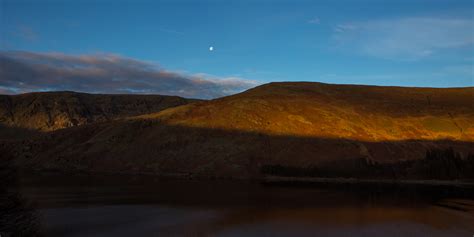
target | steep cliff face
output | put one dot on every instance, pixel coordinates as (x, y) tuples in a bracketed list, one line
[(289, 124), (56, 110)]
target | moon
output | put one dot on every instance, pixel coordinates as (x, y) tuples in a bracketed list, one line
[(211, 48)]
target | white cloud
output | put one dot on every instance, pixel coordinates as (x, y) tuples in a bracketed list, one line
[(314, 21), (406, 38), (341, 28)]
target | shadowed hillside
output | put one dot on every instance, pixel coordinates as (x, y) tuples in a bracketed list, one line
[(55, 110), (279, 124)]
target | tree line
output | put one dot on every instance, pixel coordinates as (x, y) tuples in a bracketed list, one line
[(441, 164)]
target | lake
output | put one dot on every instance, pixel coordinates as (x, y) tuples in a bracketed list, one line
[(126, 205)]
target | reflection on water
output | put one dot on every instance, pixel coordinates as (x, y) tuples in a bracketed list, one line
[(18, 217), (145, 206)]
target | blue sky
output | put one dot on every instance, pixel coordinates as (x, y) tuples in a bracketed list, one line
[(403, 43)]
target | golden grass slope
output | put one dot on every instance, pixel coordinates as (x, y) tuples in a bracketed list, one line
[(364, 113)]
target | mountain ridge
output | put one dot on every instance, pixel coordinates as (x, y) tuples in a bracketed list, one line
[(48, 111), (279, 124), (445, 113)]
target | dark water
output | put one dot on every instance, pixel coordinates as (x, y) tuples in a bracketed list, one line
[(146, 206)]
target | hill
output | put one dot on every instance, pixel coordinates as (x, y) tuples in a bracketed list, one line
[(48, 111), (321, 129), (364, 113)]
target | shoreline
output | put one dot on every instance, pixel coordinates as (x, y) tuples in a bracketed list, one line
[(319, 180), (272, 180)]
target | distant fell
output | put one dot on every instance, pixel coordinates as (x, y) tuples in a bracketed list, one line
[(48, 111)]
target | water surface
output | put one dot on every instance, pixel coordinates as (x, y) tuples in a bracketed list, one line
[(147, 206)]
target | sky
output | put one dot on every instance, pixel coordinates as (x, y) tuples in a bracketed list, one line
[(163, 47)]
